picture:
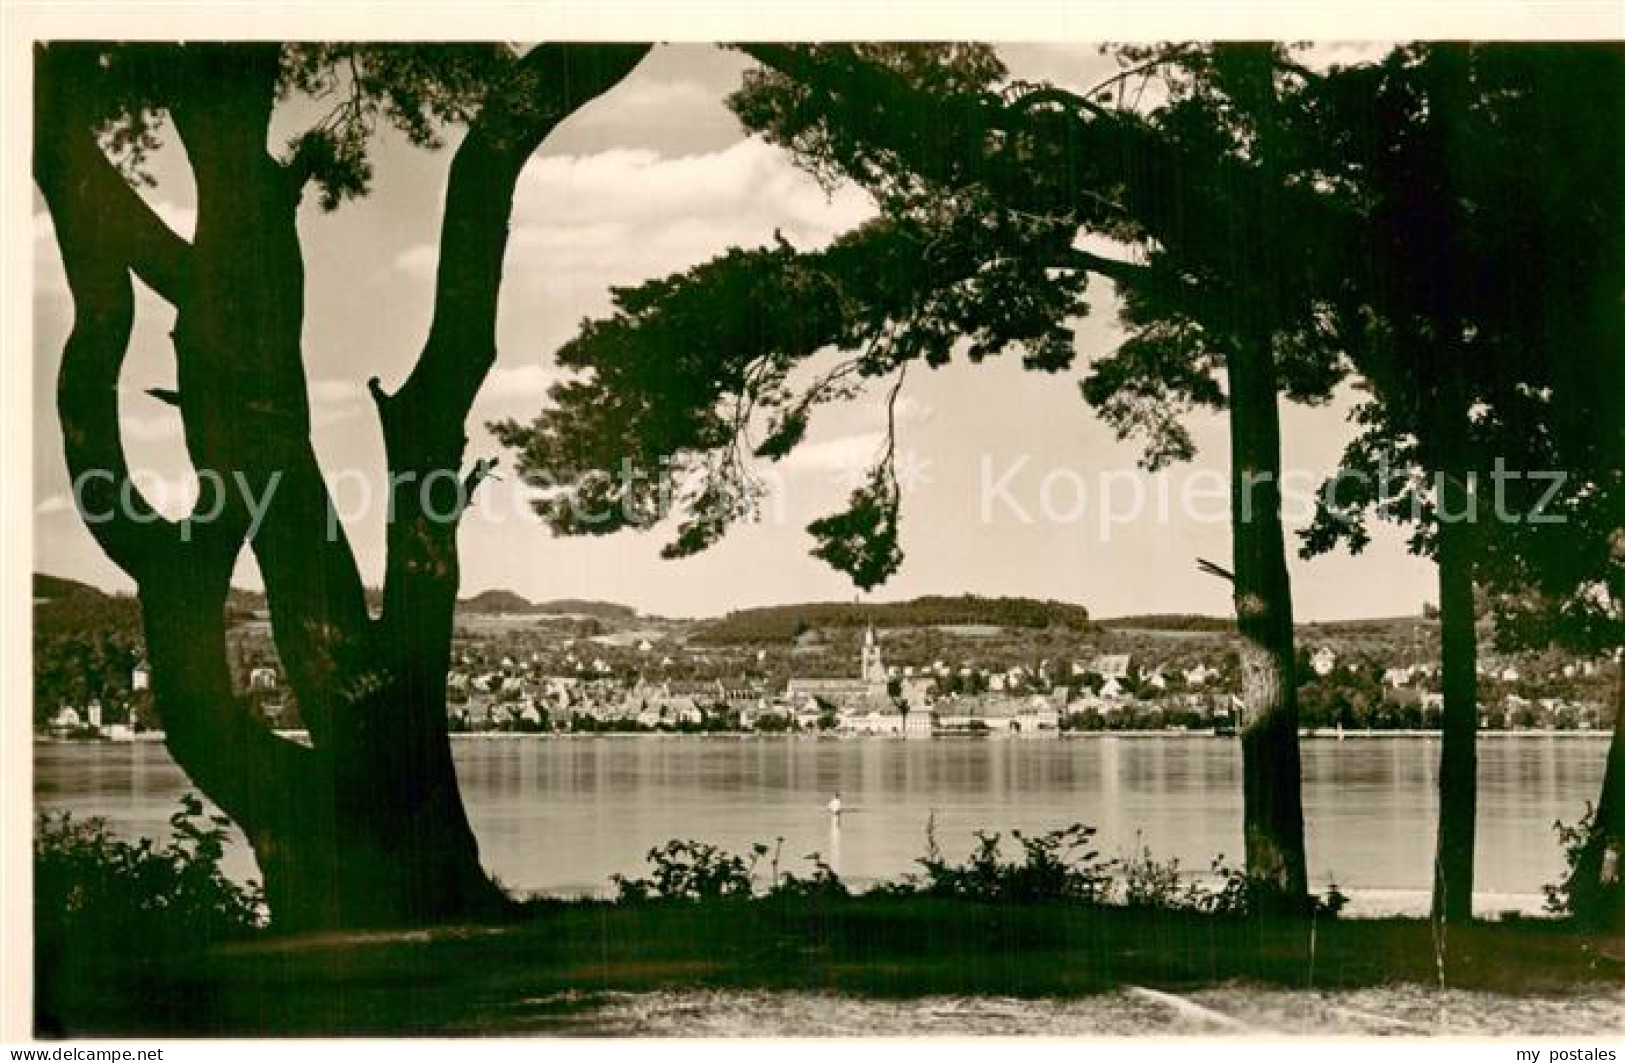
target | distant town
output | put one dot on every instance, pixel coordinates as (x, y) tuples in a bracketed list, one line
[(938, 667)]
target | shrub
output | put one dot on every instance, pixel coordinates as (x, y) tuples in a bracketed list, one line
[(692, 871), (1588, 894), (1152, 883), (1237, 893), (88, 882), (1573, 840), (1241, 894), (823, 883), (1057, 865)]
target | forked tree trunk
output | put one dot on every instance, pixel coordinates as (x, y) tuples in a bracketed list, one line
[(366, 825), (1272, 817), (370, 832)]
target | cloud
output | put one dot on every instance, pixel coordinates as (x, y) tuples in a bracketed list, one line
[(647, 100), (585, 222), (1075, 65), (335, 392), (1323, 54), (522, 383), (908, 410), (154, 429), (153, 421), (636, 185), (847, 457), (180, 218), (48, 278), (913, 411), (841, 455)]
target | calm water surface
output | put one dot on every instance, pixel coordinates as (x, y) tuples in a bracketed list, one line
[(564, 814)]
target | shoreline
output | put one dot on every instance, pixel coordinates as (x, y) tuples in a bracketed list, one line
[(1316, 734)]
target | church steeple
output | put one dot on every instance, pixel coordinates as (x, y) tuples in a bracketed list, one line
[(873, 669)]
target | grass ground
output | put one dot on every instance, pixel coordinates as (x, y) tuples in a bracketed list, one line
[(547, 973)]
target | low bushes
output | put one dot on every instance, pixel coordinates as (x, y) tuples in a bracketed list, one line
[(91, 884), (1059, 866)]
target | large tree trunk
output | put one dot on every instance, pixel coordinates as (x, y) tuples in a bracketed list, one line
[(386, 843), (1272, 817), (372, 831), (367, 833), (1458, 751), (1596, 893)]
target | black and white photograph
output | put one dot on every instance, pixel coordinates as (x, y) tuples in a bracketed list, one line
[(817, 536)]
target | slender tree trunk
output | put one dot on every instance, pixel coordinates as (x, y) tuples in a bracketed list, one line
[(1595, 888), (1456, 515), (1271, 772), (1458, 750)]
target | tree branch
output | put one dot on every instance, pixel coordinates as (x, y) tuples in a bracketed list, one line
[(96, 254), (65, 149), (255, 775), (424, 421), (240, 366), (549, 84), (127, 528), (1128, 273), (104, 231), (1049, 94)]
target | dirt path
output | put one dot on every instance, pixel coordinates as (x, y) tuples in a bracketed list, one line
[(1223, 1011)]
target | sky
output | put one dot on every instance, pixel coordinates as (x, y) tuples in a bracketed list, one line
[(1006, 473)]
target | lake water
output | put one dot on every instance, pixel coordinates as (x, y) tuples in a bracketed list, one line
[(563, 814)]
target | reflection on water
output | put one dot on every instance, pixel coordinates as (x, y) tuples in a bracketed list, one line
[(562, 815)]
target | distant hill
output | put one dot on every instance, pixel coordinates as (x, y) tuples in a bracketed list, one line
[(1374, 625), (782, 623), (585, 607), (495, 602), (1169, 622), (51, 588), (504, 601), (68, 608)]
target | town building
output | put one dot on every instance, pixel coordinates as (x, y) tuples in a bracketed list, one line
[(868, 690), (1112, 666)]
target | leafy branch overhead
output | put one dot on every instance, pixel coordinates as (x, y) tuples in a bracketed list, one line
[(1489, 324), (984, 187), (696, 374)]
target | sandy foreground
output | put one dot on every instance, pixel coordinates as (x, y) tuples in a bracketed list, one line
[(1231, 1010)]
